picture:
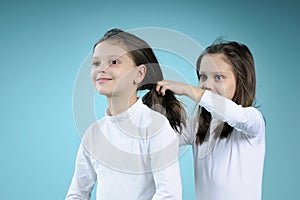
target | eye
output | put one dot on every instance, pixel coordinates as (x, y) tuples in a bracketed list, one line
[(96, 63), (202, 77), (114, 62), (219, 77)]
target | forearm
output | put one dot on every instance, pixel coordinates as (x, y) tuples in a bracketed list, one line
[(168, 183), (246, 119), (194, 93)]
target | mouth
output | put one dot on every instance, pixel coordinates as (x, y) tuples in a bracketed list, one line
[(103, 80)]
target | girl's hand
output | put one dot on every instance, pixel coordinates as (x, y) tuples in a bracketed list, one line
[(178, 88)]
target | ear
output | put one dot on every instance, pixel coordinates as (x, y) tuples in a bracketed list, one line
[(141, 73)]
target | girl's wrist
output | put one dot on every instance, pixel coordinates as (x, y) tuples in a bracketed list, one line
[(196, 93)]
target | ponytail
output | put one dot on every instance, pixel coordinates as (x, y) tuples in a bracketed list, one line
[(141, 53), (204, 120), (167, 105)]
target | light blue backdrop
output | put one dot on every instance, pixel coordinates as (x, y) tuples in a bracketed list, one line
[(43, 44)]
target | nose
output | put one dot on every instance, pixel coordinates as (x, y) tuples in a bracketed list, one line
[(102, 68), (207, 85)]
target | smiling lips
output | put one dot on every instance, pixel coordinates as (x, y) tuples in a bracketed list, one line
[(103, 80)]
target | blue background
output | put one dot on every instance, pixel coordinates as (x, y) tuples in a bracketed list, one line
[(43, 44)]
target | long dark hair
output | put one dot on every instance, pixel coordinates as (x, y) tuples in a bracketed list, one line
[(141, 53), (240, 58)]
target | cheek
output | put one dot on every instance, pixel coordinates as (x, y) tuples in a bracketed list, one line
[(230, 91), (125, 76), (219, 89), (93, 75), (224, 89)]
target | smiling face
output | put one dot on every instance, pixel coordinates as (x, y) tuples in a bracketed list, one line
[(113, 71), (216, 74)]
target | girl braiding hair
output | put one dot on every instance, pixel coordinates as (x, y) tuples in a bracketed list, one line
[(228, 132), (240, 58)]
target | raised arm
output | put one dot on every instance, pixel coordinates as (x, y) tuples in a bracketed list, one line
[(246, 119)]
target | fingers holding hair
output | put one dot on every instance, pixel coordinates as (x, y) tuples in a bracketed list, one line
[(175, 87), (161, 87), (179, 88)]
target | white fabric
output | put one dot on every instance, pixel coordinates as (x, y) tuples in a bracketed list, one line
[(230, 168), (133, 156)]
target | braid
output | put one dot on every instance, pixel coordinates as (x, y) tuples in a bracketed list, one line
[(167, 105)]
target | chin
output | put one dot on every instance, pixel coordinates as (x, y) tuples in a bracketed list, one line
[(103, 92)]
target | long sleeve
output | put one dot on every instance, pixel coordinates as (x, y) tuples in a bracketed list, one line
[(165, 166), (188, 133), (84, 177), (246, 119)]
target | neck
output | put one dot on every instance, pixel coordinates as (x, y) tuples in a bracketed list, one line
[(117, 105)]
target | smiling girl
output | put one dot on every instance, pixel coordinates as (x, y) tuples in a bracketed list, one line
[(132, 151)]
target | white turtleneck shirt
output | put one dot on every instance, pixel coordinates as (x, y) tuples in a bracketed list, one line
[(230, 168), (132, 156)]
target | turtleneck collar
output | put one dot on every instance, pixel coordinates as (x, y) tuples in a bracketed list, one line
[(126, 114)]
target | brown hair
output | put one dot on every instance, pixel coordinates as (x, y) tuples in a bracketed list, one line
[(141, 53), (240, 58)]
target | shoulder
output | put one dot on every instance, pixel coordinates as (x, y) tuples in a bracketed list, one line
[(157, 115), (256, 116), (153, 118), (93, 130), (96, 125), (256, 111), (153, 112), (255, 126), (157, 122)]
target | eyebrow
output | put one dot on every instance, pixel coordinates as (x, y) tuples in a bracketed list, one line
[(110, 56), (214, 72)]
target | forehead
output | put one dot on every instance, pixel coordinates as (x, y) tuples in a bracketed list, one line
[(213, 63), (105, 49)]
